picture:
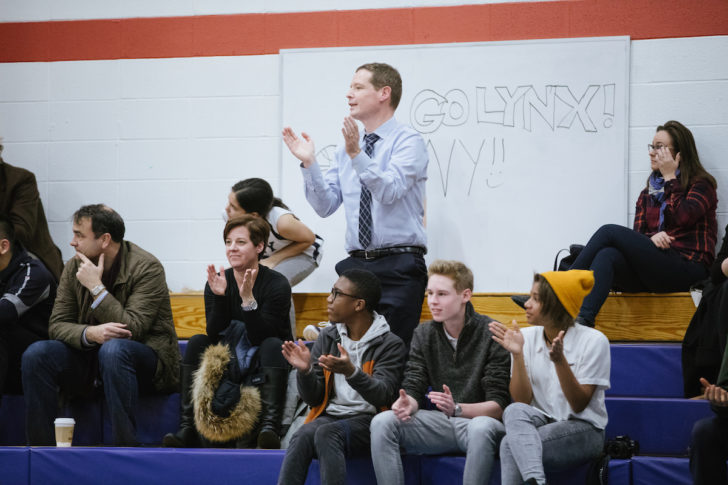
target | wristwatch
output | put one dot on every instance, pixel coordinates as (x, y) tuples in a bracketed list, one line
[(97, 289), (458, 411), (249, 308)]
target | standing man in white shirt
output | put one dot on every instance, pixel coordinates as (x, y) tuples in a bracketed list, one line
[(380, 178)]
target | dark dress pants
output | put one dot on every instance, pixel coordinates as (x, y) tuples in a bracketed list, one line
[(404, 279)]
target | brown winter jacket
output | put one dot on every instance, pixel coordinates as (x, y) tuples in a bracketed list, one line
[(20, 202), (139, 299)]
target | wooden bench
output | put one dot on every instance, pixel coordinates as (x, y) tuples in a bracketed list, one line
[(624, 316)]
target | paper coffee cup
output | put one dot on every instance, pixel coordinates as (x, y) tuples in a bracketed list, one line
[(64, 431)]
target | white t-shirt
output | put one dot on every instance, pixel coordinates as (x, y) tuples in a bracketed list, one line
[(276, 242), (587, 352)]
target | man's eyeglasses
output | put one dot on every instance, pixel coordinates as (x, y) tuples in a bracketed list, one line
[(651, 147), (336, 292)]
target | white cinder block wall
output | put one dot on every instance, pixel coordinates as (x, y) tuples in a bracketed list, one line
[(159, 140), (162, 140)]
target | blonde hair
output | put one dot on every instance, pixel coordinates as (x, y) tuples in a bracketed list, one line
[(455, 270)]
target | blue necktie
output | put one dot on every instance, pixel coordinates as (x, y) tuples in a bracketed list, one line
[(365, 200)]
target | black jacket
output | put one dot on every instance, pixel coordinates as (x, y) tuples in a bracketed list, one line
[(27, 293)]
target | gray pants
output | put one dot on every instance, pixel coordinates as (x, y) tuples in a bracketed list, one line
[(535, 442), (432, 432), (330, 439), (296, 269)]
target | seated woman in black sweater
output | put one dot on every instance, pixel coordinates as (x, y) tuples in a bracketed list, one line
[(260, 298)]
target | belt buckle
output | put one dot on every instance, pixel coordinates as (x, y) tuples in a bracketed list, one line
[(370, 254)]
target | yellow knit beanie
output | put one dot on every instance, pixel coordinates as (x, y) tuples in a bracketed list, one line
[(570, 287)]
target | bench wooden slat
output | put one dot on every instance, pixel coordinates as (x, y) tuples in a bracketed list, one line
[(624, 317)]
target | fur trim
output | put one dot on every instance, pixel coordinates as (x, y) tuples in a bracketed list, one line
[(207, 378)]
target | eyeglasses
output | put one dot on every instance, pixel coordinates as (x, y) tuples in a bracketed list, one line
[(651, 147), (336, 292)]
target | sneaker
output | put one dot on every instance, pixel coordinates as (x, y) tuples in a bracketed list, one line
[(582, 321), (520, 300), (311, 332)]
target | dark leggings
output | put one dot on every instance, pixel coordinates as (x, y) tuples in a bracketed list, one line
[(269, 352), (625, 259), (709, 451)]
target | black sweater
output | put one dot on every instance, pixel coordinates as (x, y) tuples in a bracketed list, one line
[(271, 319)]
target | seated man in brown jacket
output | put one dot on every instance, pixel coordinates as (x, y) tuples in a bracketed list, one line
[(111, 325)]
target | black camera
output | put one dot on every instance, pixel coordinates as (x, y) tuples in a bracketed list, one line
[(622, 447)]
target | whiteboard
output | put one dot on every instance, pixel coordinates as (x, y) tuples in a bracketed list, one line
[(527, 143)]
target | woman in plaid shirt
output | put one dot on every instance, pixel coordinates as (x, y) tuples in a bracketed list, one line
[(675, 230)]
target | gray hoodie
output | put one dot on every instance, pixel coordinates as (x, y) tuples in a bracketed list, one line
[(346, 400), (379, 358)]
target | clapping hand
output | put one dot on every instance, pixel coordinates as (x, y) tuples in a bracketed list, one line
[(556, 354), (216, 280), (350, 130), (510, 339), (246, 289), (404, 407), (297, 354), (443, 400), (301, 148), (338, 365)]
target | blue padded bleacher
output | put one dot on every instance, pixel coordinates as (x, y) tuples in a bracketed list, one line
[(140, 466), (646, 370), (653, 470), (662, 426), (439, 470), (15, 465), (88, 415), (644, 402)]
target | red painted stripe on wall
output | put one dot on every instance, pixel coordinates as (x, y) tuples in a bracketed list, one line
[(251, 34)]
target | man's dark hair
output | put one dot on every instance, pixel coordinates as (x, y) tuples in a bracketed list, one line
[(385, 75), (7, 231), (366, 286), (103, 219)]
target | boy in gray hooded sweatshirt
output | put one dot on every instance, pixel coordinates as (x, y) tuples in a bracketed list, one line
[(353, 372)]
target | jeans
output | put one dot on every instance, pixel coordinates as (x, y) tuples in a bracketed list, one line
[(709, 451), (403, 278), (432, 432), (534, 442), (332, 440), (125, 367), (623, 258)]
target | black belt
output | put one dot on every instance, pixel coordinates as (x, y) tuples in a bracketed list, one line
[(381, 252)]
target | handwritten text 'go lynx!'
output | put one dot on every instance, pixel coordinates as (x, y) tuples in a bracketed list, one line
[(557, 106)]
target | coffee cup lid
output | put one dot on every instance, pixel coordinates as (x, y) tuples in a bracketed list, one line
[(65, 421)]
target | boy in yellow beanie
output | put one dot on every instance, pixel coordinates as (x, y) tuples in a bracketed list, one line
[(559, 372)]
